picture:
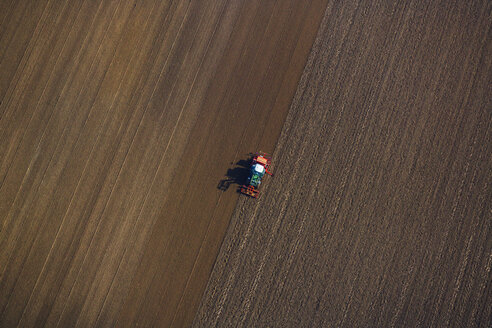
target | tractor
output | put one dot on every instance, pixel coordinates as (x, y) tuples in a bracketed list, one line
[(259, 166)]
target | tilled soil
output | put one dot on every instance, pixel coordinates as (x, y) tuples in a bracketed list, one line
[(379, 213), (118, 120)]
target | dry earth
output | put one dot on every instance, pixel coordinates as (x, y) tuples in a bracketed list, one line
[(379, 214), (117, 121)]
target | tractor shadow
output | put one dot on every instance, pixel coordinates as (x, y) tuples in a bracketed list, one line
[(237, 176)]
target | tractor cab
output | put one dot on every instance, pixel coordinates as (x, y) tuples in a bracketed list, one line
[(257, 172)]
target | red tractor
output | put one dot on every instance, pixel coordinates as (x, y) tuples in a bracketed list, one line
[(259, 166)]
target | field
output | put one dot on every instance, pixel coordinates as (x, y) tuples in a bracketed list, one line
[(118, 119), (379, 214), (123, 126)]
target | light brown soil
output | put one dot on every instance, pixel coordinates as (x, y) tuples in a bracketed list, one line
[(379, 214), (117, 121)]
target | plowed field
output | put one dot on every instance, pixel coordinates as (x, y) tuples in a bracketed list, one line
[(118, 119), (379, 214)]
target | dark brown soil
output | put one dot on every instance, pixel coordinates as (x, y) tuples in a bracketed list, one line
[(118, 119), (379, 214)]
